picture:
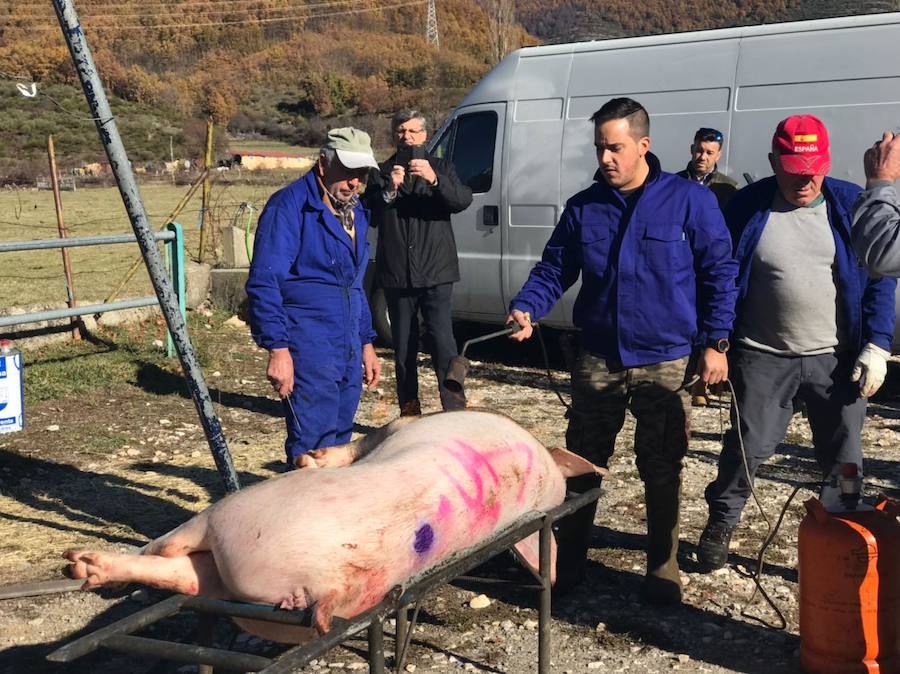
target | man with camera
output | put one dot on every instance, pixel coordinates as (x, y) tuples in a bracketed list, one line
[(412, 197), (876, 220)]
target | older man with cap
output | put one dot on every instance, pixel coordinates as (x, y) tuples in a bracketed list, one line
[(876, 223), (306, 302), (810, 323)]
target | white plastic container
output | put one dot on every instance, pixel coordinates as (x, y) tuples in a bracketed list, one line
[(12, 400)]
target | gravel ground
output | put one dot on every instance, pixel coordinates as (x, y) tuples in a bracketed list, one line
[(54, 493)]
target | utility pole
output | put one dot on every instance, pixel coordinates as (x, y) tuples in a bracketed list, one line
[(431, 27)]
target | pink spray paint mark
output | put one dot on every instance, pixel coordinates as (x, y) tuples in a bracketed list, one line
[(444, 510), (484, 510)]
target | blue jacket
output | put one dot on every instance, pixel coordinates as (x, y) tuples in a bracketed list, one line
[(305, 280), (655, 278), (868, 304)]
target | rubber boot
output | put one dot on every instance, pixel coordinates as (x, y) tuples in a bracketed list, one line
[(573, 536), (662, 584)]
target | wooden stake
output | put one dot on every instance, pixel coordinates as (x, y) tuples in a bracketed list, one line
[(67, 265), (204, 222)]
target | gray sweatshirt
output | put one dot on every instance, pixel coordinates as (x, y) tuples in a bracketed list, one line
[(876, 229)]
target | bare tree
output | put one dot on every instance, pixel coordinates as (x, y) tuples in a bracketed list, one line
[(502, 18)]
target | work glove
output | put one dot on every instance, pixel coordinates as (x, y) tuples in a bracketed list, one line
[(870, 369)]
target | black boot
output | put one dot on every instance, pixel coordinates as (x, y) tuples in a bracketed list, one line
[(662, 584), (573, 536)]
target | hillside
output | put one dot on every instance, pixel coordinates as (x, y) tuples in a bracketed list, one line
[(572, 20), (284, 69), (288, 69)]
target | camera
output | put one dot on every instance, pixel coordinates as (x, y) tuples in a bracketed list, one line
[(406, 153)]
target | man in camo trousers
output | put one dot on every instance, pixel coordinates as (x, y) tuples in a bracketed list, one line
[(657, 277)]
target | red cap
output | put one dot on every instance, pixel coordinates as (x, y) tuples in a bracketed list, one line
[(801, 141)]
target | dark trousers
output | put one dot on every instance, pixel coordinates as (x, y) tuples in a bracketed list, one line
[(654, 395), (765, 386), (404, 305)]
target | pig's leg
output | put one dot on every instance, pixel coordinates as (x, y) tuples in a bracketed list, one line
[(341, 456), (191, 574), (183, 540)]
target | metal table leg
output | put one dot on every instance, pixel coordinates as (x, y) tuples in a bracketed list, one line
[(544, 612), (376, 647)]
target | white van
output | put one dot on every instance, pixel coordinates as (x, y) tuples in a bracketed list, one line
[(523, 141)]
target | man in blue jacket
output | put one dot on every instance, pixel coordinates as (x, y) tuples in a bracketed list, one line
[(306, 302), (657, 278), (810, 323)]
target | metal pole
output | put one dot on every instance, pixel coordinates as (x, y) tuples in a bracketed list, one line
[(118, 160), (61, 226), (402, 625), (204, 212), (376, 647), (544, 612), (175, 258)]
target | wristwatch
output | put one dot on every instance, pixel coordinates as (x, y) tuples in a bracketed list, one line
[(720, 345)]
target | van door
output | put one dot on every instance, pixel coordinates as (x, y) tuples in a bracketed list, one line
[(473, 142)]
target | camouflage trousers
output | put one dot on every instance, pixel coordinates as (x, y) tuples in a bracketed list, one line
[(655, 397)]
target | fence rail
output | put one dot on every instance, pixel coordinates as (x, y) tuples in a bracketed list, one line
[(174, 241)]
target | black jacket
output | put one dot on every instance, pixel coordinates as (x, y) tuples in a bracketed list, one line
[(416, 248)]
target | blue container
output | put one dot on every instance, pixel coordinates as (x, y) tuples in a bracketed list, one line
[(12, 398)]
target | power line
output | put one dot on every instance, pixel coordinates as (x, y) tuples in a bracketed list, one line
[(176, 11), (171, 5), (234, 23)]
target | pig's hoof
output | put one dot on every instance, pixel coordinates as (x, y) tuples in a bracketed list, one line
[(332, 457), (92, 566), (305, 461)]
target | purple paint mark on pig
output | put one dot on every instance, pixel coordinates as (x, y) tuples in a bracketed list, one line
[(424, 539)]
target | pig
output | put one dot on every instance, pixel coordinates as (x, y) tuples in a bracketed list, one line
[(354, 521)]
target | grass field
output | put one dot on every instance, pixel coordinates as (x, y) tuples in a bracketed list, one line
[(36, 277)]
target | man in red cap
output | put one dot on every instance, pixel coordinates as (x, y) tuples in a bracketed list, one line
[(810, 323)]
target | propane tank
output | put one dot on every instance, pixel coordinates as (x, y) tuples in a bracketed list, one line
[(849, 566), (12, 405)]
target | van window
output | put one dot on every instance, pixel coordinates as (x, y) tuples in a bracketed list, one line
[(469, 143), (473, 149)]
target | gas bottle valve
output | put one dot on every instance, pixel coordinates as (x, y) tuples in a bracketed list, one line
[(850, 484)]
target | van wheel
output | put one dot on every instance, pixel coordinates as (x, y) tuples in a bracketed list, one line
[(381, 322)]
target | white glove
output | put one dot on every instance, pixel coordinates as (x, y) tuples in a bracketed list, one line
[(870, 369)]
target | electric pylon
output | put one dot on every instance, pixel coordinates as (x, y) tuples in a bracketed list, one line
[(431, 27)]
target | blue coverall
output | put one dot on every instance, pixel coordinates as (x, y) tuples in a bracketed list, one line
[(305, 293)]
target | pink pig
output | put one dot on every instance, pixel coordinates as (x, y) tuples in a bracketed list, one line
[(357, 520)]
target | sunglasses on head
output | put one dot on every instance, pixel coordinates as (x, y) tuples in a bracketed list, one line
[(706, 135)]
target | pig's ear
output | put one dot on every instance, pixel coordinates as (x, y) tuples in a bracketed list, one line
[(528, 552), (323, 611), (571, 465)]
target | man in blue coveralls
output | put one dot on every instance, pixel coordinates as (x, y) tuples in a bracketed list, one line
[(306, 302)]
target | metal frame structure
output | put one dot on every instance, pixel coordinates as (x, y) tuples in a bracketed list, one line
[(119, 635), (174, 240)]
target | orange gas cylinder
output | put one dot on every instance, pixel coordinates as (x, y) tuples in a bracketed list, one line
[(850, 590)]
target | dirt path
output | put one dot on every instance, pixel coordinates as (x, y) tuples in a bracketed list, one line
[(118, 467)]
